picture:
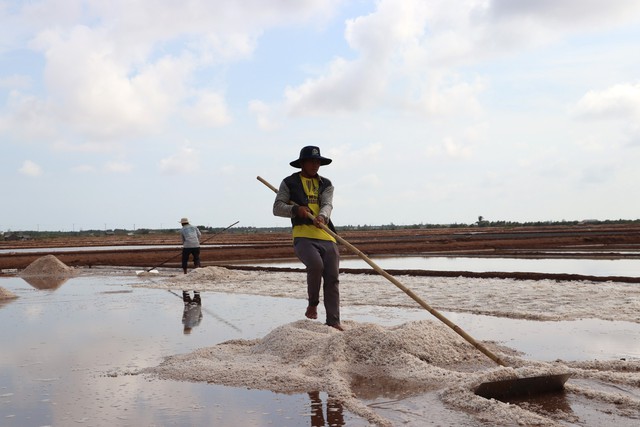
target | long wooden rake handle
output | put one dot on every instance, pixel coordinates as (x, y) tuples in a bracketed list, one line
[(406, 290)]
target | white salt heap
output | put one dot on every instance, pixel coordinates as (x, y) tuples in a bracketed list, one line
[(47, 272), (423, 355), (209, 274), (305, 356), (47, 266)]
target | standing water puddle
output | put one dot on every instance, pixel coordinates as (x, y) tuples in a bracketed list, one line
[(587, 267)]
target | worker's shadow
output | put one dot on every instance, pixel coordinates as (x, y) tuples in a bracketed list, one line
[(192, 314), (334, 415)]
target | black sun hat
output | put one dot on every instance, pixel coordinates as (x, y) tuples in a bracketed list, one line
[(310, 152)]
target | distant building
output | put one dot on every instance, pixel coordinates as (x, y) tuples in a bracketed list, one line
[(588, 221), (16, 236)]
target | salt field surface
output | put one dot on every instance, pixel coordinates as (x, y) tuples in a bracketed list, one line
[(110, 345)]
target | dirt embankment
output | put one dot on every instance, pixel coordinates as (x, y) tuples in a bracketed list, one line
[(576, 241)]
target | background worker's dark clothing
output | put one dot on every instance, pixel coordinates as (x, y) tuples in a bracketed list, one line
[(190, 245), (186, 252)]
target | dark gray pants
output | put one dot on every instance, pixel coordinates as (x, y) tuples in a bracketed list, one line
[(185, 257), (322, 260)]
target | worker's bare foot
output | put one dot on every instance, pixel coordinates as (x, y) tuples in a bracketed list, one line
[(337, 326), (311, 313)]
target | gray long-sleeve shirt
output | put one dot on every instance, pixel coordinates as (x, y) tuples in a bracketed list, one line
[(190, 236)]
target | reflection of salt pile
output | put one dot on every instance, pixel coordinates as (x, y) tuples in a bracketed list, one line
[(305, 356), (5, 294), (47, 272)]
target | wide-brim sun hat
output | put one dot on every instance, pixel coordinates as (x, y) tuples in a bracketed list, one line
[(184, 221), (309, 152)]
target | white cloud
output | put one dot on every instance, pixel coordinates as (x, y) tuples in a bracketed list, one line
[(402, 63), (186, 161), (447, 96), (27, 117), (86, 146), (82, 169), (15, 81), (101, 96), (348, 86), (618, 105), (118, 167), (620, 102), (456, 146), (455, 149), (382, 38), (30, 168), (407, 51), (209, 110), (599, 174), (351, 158), (113, 70), (264, 115), (565, 13), (228, 170)]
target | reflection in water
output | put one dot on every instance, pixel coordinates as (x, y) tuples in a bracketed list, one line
[(192, 314), (6, 301), (383, 386), (546, 403), (45, 282), (334, 411), (186, 299)]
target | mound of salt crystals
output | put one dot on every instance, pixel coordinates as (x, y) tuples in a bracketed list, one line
[(6, 294), (47, 266), (207, 274), (305, 356)]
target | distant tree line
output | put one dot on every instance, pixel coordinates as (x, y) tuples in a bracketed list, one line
[(482, 222)]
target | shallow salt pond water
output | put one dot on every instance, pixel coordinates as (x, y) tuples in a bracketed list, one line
[(67, 354), (588, 267)]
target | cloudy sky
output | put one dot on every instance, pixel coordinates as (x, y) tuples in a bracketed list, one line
[(135, 113)]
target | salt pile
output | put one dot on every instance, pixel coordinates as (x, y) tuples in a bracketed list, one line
[(424, 356), (48, 266), (305, 356), (206, 274), (47, 272), (200, 279)]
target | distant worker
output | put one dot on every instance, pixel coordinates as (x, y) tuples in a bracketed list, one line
[(317, 249), (192, 313), (190, 244)]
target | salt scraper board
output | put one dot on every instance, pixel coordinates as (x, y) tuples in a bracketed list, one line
[(523, 387)]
